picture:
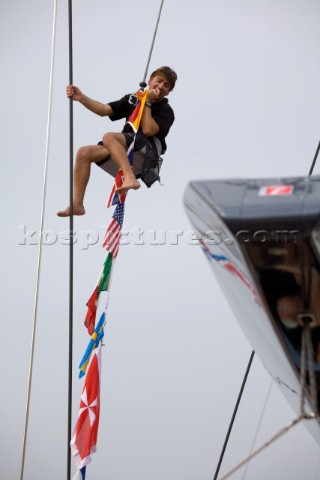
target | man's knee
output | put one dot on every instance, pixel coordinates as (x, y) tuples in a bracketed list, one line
[(86, 154), (110, 139)]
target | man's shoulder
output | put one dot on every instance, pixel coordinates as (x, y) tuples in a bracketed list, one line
[(163, 105), (120, 108), (123, 99)]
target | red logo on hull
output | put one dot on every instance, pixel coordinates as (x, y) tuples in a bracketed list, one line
[(275, 190)]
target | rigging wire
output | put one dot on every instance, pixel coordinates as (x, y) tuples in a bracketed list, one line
[(258, 426), (70, 347), (234, 415), (275, 437), (314, 160), (318, 469), (292, 452), (307, 355), (143, 83), (44, 188), (311, 369)]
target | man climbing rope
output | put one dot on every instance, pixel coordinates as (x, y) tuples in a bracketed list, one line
[(111, 153)]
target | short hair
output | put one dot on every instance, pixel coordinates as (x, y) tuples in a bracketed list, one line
[(168, 73)]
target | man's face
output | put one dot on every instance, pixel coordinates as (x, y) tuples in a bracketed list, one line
[(161, 85), (288, 309)]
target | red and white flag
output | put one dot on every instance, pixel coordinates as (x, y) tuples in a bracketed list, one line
[(84, 440), (113, 234), (115, 198)]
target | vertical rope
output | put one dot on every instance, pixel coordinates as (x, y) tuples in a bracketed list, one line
[(302, 371), (234, 415), (70, 247), (143, 83), (44, 188), (312, 376)]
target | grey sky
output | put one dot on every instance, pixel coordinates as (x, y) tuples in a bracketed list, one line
[(247, 105)]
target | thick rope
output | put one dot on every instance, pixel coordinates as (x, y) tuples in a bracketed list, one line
[(143, 83), (70, 352), (234, 415), (44, 187), (275, 437)]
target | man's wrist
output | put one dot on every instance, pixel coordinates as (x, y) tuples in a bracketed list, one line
[(148, 104)]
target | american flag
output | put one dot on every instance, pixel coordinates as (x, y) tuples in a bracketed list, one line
[(113, 234)]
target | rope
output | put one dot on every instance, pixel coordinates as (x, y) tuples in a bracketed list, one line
[(44, 187), (69, 429), (303, 371), (307, 357), (291, 453), (318, 469), (258, 427), (233, 415), (312, 376), (143, 83), (281, 432)]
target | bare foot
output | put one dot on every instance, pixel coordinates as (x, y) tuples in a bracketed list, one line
[(77, 210), (128, 184)]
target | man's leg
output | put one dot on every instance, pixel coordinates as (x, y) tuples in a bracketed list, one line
[(116, 144), (85, 156)]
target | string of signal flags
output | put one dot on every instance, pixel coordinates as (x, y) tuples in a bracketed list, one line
[(84, 440)]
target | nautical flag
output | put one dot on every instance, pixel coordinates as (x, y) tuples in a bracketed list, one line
[(113, 234), (96, 338), (80, 474), (93, 302), (134, 122), (84, 440), (115, 198), (92, 305), (106, 274), (135, 117)]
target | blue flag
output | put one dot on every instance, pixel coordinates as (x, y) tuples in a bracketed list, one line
[(96, 338)]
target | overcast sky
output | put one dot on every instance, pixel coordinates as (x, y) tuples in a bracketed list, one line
[(247, 104)]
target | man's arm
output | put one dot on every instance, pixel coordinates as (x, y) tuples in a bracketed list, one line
[(101, 109), (149, 126)]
